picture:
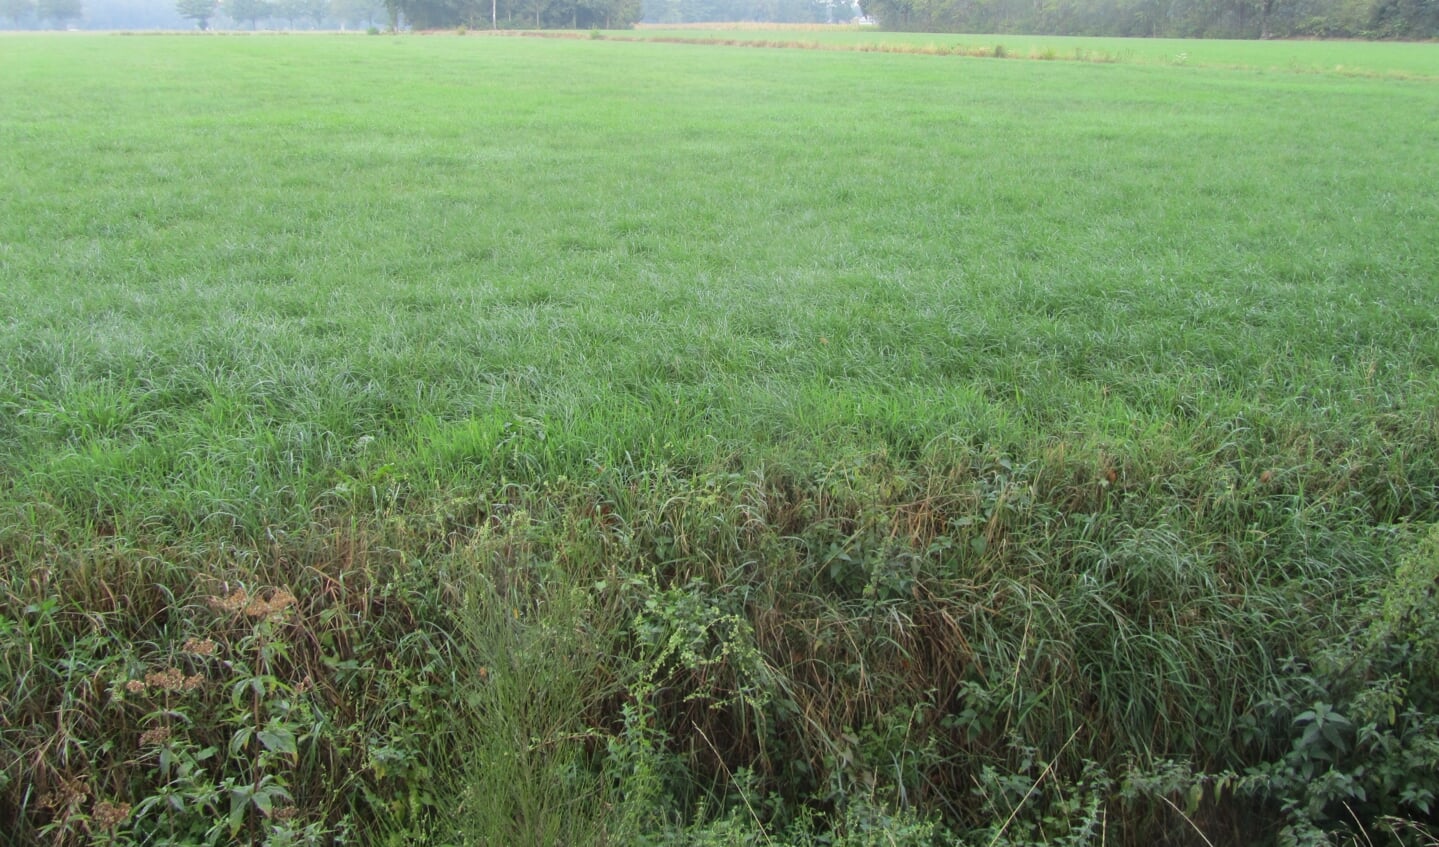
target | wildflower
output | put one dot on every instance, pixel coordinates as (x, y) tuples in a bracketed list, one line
[(155, 736), (253, 605), (193, 682), (170, 679), (233, 602), (65, 795), (135, 686), (105, 816), (278, 602), (200, 646)]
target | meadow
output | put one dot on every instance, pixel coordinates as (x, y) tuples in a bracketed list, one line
[(579, 441), (1401, 60)]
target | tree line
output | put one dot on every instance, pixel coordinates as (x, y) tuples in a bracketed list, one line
[(173, 14), (786, 11), (1142, 18), (319, 14), (570, 14), (58, 13), (1166, 18)]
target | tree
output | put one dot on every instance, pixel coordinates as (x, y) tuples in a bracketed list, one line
[(18, 11), (290, 10), (58, 11), (199, 11), (357, 12), (246, 11), (316, 10)]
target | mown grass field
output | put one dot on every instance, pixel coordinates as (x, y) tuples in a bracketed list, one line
[(503, 440)]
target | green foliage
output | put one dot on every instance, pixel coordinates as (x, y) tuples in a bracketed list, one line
[(1365, 752), (536, 14), (198, 711), (964, 487), (199, 11), (59, 12), (246, 11), (1183, 19), (18, 12)]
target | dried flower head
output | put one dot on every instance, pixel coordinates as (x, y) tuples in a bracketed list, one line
[(170, 679), (253, 605), (233, 602), (135, 686), (194, 682), (105, 816), (65, 795), (155, 736), (200, 646), (278, 602)]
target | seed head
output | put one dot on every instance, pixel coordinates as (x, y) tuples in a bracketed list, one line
[(64, 795), (233, 602), (170, 679), (200, 646), (106, 815)]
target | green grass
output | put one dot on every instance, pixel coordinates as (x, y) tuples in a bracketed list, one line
[(1354, 58), (845, 434)]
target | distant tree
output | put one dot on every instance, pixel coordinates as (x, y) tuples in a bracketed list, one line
[(605, 14), (246, 11), (17, 11), (58, 11), (357, 12), (289, 10), (1406, 18), (316, 10), (199, 11), (1161, 18), (577, 14)]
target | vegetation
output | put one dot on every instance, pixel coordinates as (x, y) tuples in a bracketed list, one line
[(1411, 61), (788, 11), (1181, 19), (564, 441), (58, 12), (199, 11)]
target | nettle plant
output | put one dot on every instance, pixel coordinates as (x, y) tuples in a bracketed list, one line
[(1363, 748)]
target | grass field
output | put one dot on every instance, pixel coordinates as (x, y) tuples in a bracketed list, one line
[(1415, 60), (546, 441)]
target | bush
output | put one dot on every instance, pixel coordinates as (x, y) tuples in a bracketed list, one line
[(1364, 751)]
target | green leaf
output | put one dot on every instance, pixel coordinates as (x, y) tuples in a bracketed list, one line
[(277, 739), (239, 800), (262, 802), (240, 739)]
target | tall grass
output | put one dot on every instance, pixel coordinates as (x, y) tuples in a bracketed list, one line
[(620, 441)]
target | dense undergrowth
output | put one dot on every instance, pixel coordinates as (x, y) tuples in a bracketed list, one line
[(1020, 651), (400, 491)]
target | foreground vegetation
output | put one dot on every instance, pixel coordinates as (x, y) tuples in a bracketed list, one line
[(570, 441)]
